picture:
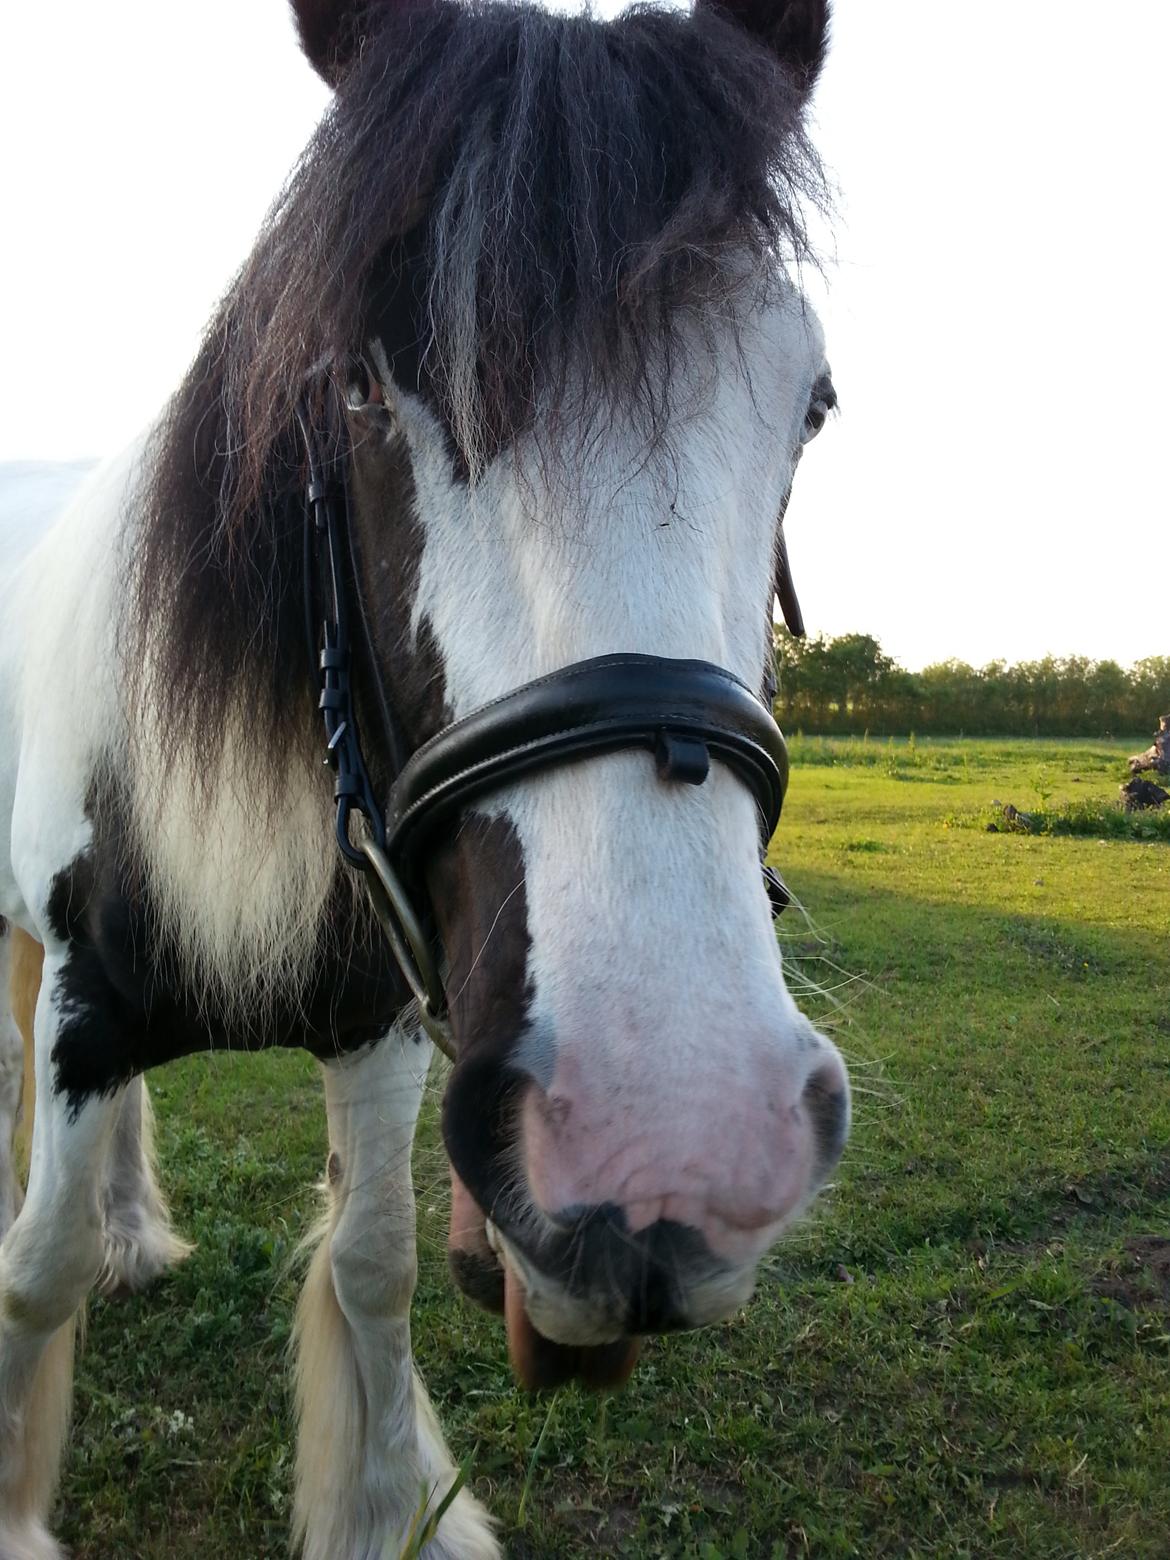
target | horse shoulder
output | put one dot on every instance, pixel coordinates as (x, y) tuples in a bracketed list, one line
[(59, 584)]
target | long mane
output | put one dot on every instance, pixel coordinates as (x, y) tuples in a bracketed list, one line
[(552, 193)]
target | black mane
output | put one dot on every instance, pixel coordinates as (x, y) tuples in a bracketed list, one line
[(546, 193)]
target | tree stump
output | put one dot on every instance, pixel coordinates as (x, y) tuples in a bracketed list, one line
[(1157, 756), (1138, 794)]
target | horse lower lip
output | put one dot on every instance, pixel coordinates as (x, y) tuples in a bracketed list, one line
[(540, 1364)]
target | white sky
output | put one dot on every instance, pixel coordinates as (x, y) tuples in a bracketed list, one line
[(997, 310)]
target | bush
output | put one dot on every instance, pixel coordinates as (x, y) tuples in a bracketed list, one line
[(1098, 820)]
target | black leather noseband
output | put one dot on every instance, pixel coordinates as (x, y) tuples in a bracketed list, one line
[(683, 712)]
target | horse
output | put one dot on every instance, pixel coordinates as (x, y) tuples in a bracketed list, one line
[(408, 678)]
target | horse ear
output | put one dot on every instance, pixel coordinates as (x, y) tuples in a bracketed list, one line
[(330, 32), (795, 30)]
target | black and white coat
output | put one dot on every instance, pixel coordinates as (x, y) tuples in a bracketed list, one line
[(609, 945)]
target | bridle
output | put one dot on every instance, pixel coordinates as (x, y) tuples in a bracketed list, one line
[(682, 712)]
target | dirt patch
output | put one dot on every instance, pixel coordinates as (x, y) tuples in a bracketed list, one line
[(603, 1522), (1139, 1278), (1113, 1191)]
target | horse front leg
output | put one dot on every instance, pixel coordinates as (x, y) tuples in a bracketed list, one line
[(368, 1445), (11, 1088), (49, 1259), (141, 1242)]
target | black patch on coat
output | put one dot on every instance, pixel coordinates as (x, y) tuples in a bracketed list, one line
[(125, 1006), (388, 542), (477, 887)]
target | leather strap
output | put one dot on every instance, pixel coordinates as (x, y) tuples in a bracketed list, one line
[(681, 711)]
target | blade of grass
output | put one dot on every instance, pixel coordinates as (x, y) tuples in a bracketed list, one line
[(534, 1459), (425, 1527)]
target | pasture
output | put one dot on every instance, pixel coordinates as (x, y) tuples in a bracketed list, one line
[(965, 1352)]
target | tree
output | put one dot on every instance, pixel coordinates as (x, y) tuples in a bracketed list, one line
[(849, 684)]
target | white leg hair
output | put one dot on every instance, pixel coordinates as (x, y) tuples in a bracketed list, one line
[(368, 1444), (141, 1242), (49, 1259), (11, 1080)]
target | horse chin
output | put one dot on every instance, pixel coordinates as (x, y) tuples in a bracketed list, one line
[(481, 1268), (541, 1364)]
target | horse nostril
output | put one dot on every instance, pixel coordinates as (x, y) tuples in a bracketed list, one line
[(826, 1099)]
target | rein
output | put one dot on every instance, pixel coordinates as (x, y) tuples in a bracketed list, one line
[(682, 712)]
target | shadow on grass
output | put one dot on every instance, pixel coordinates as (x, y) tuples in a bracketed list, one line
[(1013, 1069)]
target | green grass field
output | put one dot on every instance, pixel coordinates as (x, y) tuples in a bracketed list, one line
[(966, 1351)]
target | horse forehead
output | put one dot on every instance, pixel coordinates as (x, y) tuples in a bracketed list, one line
[(552, 558)]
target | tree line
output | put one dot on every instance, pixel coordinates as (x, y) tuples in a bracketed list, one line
[(850, 685)]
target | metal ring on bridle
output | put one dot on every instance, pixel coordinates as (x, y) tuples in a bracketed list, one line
[(410, 945)]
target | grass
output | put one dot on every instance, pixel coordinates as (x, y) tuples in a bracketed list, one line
[(965, 1352)]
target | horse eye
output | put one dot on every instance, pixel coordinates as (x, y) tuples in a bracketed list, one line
[(821, 403), (362, 388)]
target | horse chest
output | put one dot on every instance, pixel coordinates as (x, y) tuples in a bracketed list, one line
[(129, 1003)]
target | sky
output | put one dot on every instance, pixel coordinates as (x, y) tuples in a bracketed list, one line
[(994, 295)]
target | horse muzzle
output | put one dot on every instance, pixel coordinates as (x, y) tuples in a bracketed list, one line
[(579, 1309)]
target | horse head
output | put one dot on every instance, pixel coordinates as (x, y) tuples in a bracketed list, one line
[(532, 293), (576, 393)]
